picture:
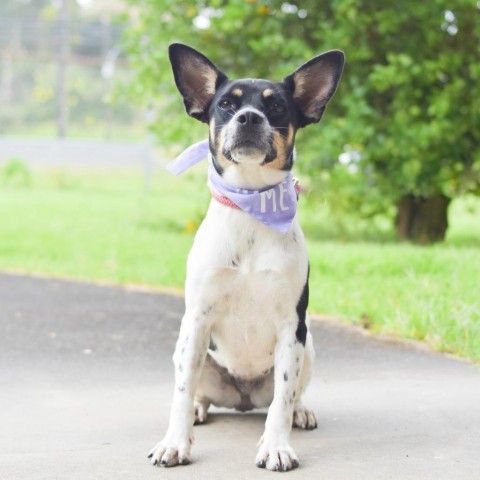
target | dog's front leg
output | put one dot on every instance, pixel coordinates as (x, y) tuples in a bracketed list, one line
[(274, 451), (188, 359)]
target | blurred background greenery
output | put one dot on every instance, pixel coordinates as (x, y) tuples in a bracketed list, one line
[(59, 60), (392, 173), (403, 131)]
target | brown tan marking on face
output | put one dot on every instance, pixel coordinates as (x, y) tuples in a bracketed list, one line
[(238, 92), (212, 132), (291, 134), (283, 146), (224, 162), (268, 92)]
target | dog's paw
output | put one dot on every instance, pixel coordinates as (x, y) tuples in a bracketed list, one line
[(201, 413), (276, 457), (304, 418), (169, 454)]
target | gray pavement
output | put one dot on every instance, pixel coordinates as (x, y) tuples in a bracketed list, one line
[(86, 381)]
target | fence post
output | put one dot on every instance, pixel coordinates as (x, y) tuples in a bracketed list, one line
[(62, 48)]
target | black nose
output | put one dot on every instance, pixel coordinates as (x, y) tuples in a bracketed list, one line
[(250, 118)]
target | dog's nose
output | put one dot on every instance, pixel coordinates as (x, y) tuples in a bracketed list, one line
[(250, 118)]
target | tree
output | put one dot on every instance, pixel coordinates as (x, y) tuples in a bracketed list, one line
[(407, 112), (423, 90)]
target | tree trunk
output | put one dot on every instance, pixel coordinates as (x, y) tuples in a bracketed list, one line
[(422, 219)]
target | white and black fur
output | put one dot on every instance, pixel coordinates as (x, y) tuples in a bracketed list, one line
[(244, 340)]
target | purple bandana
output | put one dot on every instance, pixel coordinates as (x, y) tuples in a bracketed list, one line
[(273, 206), (188, 158)]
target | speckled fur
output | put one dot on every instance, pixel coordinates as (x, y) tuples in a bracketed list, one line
[(244, 340)]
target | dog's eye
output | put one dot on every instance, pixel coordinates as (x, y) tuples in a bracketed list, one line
[(226, 104), (278, 107)]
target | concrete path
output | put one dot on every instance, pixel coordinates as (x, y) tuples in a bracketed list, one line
[(86, 381)]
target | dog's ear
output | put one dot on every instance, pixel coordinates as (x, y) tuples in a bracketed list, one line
[(196, 77), (314, 84)]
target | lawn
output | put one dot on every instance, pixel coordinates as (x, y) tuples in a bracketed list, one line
[(110, 227)]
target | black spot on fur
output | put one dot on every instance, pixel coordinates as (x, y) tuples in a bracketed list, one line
[(285, 376), (180, 368), (302, 305), (251, 241), (207, 309), (181, 388), (289, 162), (213, 346)]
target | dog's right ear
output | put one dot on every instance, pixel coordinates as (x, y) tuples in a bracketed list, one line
[(197, 79), (314, 83)]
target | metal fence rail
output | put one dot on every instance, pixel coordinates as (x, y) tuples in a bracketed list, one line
[(76, 154)]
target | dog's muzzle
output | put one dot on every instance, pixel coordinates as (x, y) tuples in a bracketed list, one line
[(248, 137)]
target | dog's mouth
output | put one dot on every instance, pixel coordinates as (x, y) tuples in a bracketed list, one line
[(247, 150)]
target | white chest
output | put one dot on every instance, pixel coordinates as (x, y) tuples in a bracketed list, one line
[(252, 276)]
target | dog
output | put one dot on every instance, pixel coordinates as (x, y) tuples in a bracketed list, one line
[(244, 340)]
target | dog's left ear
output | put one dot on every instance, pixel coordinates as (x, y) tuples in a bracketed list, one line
[(197, 79), (314, 84)]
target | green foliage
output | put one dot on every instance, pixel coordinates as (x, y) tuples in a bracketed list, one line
[(409, 100), (16, 172), (29, 59)]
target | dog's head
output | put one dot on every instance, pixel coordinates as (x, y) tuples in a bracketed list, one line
[(253, 122)]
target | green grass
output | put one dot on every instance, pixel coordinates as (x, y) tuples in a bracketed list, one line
[(124, 132), (100, 227), (108, 227), (417, 292)]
